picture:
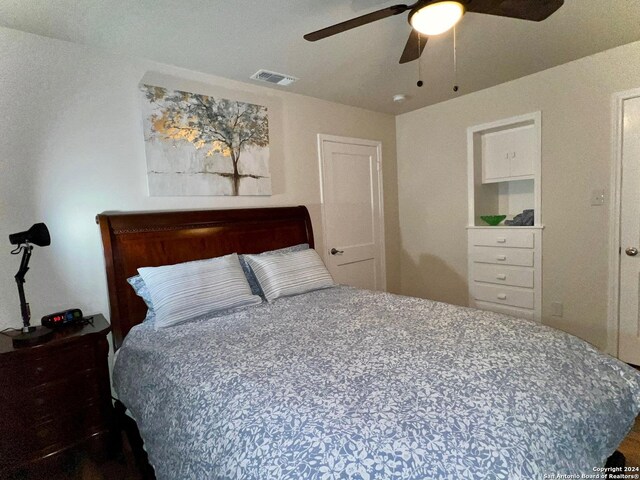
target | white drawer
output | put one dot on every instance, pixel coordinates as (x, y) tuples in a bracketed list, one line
[(503, 275), (502, 237), (506, 309), (505, 256), (515, 297)]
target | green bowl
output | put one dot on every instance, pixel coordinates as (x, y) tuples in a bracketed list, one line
[(493, 220)]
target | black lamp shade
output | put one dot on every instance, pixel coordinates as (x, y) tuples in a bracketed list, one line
[(38, 235)]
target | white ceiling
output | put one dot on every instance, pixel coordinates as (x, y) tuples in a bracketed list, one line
[(235, 38)]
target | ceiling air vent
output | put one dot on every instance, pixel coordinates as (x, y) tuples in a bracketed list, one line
[(273, 77)]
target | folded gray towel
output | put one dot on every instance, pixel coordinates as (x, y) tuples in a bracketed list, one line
[(524, 219)]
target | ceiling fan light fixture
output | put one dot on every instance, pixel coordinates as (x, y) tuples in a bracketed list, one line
[(436, 18)]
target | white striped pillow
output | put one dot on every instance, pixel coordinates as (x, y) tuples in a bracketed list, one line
[(193, 289), (292, 273)]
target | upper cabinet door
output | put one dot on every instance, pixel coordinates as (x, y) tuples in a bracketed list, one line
[(523, 146), (495, 157), (508, 154)]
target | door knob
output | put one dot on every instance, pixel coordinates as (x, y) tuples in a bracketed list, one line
[(631, 251), (335, 251)]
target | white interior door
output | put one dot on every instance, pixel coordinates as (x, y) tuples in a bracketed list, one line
[(629, 325), (352, 211)]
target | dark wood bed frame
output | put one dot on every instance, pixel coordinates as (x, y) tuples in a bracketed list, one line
[(146, 239)]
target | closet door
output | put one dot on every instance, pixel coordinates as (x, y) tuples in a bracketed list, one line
[(352, 202), (629, 325)]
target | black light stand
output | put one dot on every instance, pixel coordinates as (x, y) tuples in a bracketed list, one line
[(24, 306), (39, 235)]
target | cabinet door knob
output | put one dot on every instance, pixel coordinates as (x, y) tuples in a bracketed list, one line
[(501, 276), (501, 258), (631, 251), (502, 296), (501, 240)]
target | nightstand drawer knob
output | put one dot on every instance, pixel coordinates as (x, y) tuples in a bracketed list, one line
[(501, 240), (501, 276), (501, 258), (502, 296)]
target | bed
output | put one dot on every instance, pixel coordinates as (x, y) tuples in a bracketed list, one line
[(347, 383)]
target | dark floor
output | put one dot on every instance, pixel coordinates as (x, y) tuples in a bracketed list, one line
[(81, 467)]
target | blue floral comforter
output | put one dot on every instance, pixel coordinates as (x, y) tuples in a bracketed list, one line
[(346, 383)]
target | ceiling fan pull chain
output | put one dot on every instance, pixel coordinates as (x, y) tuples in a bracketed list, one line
[(455, 61), (420, 83)]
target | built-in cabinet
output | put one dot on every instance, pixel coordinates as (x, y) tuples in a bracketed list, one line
[(509, 154), (505, 262)]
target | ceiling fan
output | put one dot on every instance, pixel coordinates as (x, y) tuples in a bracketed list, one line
[(433, 17)]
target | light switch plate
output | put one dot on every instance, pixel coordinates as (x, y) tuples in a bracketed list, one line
[(597, 197)]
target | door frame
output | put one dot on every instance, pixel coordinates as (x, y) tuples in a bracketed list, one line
[(615, 211), (322, 137)]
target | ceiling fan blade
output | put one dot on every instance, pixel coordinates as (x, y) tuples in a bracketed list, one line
[(534, 10), (356, 22), (413, 49)]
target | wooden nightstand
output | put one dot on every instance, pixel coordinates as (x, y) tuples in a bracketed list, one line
[(55, 399)]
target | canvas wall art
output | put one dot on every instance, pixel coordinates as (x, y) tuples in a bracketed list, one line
[(201, 145)]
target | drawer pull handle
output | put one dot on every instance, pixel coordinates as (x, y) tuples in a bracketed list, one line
[(501, 276), (501, 258), (501, 240), (502, 296)]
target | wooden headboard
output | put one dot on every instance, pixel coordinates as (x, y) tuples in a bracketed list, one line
[(147, 239)]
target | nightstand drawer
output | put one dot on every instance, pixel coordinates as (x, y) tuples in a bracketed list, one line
[(54, 399), (503, 275), (515, 297), (503, 256), (499, 237), (63, 429), (56, 364)]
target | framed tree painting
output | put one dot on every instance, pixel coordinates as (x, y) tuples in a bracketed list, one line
[(202, 145)]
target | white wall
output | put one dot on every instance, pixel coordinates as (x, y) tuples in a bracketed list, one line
[(71, 146), (575, 100)]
